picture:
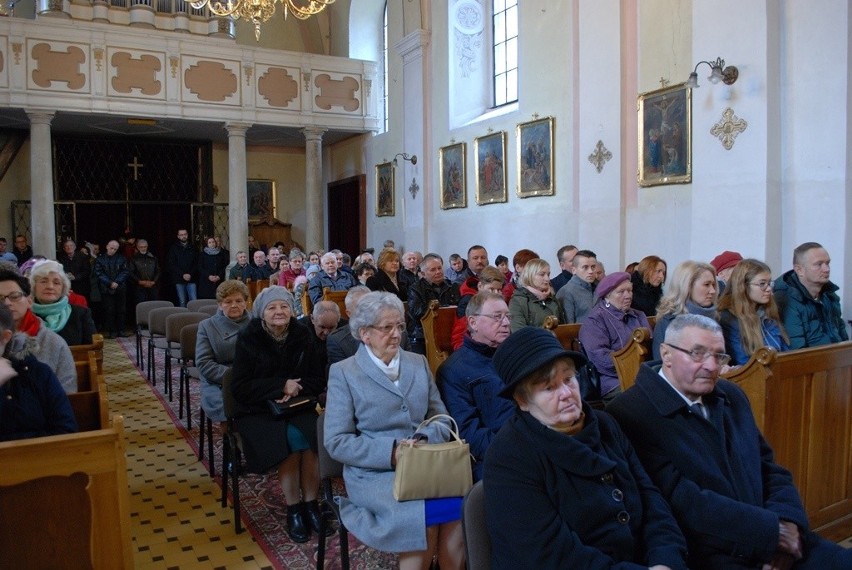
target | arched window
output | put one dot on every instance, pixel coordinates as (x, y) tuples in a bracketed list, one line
[(504, 40)]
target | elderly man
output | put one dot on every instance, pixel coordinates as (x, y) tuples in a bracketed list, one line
[(468, 382), (257, 270), (239, 266), (330, 276), (808, 300), (577, 297), (698, 440), (411, 266), (565, 255), (22, 251), (77, 268), (432, 286), (145, 273), (113, 273)]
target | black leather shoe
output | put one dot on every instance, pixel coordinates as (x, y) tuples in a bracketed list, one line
[(297, 530), (315, 518)]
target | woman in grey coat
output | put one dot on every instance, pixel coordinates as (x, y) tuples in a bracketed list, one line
[(376, 401), (216, 342)]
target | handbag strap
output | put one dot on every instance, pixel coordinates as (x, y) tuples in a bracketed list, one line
[(453, 432)]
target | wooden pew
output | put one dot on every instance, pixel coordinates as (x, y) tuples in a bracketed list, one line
[(438, 331), (87, 373), (337, 297), (568, 335), (802, 402), (80, 352), (305, 300), (630, 357), (91, 408), (66, 502)]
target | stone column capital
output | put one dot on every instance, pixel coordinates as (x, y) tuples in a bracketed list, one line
[(313, 133), (237, 129), (41, 117)]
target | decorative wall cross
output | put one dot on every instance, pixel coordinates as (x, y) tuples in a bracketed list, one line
[(600, 157), (728, 127)]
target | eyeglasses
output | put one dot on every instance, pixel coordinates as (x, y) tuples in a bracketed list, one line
[(388, 329), (702, 354), (13, 296), (764, 285), (496, 317)]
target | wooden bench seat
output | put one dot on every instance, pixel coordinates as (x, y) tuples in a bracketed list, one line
[(80, 352), (438, 325), (91, 407), (68, 500)]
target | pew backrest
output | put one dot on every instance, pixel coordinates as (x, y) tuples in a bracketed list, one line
[(438, 325), (629, 358)]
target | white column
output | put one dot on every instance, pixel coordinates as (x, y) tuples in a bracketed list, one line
[(42, 217), (314, 231), (237, 206)]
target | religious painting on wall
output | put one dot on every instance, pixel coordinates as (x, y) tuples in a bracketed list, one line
[(665, 136), (260, 198), (535, 158), (453, 176), (385, 190), (490, 153)]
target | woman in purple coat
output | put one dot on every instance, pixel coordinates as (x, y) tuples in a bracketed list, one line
[(609, 327)]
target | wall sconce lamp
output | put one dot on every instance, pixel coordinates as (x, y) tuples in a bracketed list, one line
[(718, 72), (412, 159)]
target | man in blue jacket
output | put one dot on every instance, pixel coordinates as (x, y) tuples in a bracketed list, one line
[(808, 301), (697, 438), (469, 383)]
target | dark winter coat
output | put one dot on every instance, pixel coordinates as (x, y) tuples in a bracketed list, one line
[(182, 259), (109, 269), (809, 322), (209, 265), (646, 297), (582, 501)]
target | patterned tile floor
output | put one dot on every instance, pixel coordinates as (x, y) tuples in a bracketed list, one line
[(174, 504), (175, 514)]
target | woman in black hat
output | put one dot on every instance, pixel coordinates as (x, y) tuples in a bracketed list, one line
[(563, 486)]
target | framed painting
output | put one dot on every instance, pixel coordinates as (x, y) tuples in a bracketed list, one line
[(385, 190), (535, 158), (260, 198), (490, 154), (665, 136), (453, 181)]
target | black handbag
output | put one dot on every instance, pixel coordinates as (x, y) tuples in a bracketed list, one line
[(292, 407)]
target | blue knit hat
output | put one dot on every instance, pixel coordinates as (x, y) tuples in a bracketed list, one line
[(525, 351)]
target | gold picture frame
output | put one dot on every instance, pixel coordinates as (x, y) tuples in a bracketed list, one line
[(535, 158), (665, 136), (385, 190), (453, 176), (261, 198), (490, 160)]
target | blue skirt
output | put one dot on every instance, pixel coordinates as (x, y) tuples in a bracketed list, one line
[(439, 511)]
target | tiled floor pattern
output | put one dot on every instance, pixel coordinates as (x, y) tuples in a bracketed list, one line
[(175, 514)]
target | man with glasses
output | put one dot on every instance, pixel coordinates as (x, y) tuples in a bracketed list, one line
[(469, 383), (808, 300), (698, 440)]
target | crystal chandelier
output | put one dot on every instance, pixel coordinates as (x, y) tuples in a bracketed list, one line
[(259, 11)]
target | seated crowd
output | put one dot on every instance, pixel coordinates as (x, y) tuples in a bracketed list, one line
[(674, 474)]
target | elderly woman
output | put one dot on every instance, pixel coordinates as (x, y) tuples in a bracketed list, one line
[(37, 339), (50, 288), (748, 312), (648, 279), (563, 486), (693, 290), (270, 364), (387, 278), (609, 327), (32, 402), (216, 343), (534, 300), (376, 401)]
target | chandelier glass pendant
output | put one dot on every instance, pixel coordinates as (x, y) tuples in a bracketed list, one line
[(260, 11)]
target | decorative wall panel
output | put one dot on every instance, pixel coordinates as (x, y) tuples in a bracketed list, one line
[(278, 87), (136, 73), (337, 92), (58, 66), (206, 81)]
